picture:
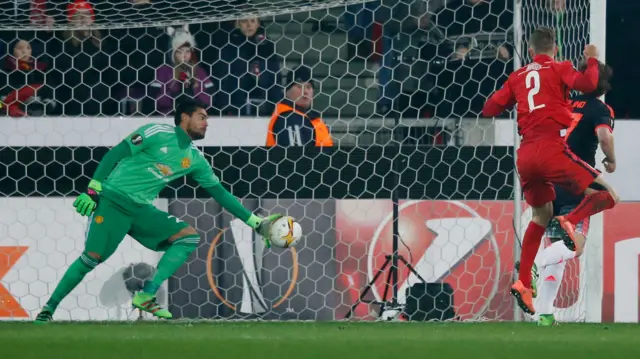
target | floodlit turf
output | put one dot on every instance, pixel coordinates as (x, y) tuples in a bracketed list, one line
[(303, 340)]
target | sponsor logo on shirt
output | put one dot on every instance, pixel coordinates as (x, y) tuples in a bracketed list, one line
[(164, 169)]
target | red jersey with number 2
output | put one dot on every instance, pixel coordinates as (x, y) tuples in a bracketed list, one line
[(541, 91)]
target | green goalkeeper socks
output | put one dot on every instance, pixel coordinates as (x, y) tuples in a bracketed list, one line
[(72, 277), (171, 261)]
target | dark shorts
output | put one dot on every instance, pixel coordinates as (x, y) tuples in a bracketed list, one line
[(564, 203), (542, 165), (113, 219)]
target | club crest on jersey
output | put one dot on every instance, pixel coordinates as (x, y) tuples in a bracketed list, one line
[(186, 163), (164, 169), (136, 139), (99, 219)]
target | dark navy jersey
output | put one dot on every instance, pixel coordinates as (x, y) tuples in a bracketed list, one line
[(589, 114), (294, 125), (294, 129)]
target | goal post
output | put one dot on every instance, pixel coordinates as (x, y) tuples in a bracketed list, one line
[(594, 257), (401, 88)]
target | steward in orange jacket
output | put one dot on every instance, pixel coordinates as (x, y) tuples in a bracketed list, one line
[(293, 122)]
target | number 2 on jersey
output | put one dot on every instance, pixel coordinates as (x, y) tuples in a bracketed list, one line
[(533, 84)]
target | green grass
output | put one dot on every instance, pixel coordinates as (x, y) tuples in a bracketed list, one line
[(304, 340)]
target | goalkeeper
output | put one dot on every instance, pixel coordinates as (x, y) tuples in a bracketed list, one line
[(119, 202)]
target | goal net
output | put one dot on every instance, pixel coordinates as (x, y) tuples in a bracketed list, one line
[(400, 86)]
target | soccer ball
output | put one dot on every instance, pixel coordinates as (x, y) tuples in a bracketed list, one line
[(285, 232)]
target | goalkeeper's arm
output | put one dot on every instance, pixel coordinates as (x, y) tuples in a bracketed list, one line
[(110, 160), (229, 202), (87, 201)]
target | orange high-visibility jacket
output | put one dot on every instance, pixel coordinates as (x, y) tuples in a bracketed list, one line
[(321, 131)]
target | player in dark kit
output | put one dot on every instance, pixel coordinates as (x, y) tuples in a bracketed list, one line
[(592, 126), (541, 91)]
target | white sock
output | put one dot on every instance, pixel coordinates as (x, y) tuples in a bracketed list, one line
[(556, 253), (551, 278)]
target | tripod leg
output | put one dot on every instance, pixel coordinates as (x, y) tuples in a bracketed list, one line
[(367, 288), (386, 289), (412, 269)]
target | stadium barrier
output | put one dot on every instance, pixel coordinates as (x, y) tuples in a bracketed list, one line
[(238, 131)]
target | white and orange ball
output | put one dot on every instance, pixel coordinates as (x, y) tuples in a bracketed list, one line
[(285, 232)]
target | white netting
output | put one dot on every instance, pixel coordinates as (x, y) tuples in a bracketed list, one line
[(109, 14), (570, 19), (420, 68)]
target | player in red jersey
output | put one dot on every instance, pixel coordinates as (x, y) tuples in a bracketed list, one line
[(541, 91)]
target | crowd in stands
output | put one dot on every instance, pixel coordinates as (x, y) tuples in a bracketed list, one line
[(234, 68), (136, 71)]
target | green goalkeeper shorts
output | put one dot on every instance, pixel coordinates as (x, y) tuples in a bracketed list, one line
[(113, 219)]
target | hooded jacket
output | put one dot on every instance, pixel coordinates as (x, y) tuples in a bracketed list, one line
[(187, 80)]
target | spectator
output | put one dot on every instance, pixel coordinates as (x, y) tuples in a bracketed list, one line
[(359, 20), (249, 70), (182, 76), (394, 17), (81, 60), (294, 123), (25, 93), (464, 68), (140, 52)]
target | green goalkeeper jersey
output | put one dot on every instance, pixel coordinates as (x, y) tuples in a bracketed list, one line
[(159, 154)]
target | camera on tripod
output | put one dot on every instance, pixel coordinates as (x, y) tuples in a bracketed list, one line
[(424, 301)]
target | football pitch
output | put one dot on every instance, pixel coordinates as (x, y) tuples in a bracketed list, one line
[(329, 340)]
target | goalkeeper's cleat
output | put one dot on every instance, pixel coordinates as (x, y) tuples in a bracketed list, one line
[(547, 320), (524, 297), (148, 303), (569, 228), (534, 278), (45, 316)]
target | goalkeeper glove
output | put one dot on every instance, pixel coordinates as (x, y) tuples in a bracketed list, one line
[(87, 202), (264, 228)]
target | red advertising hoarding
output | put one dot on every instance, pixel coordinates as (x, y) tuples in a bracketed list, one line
[(621, 249), (469, 244)]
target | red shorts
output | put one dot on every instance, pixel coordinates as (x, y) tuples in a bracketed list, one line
[(543, 164)]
